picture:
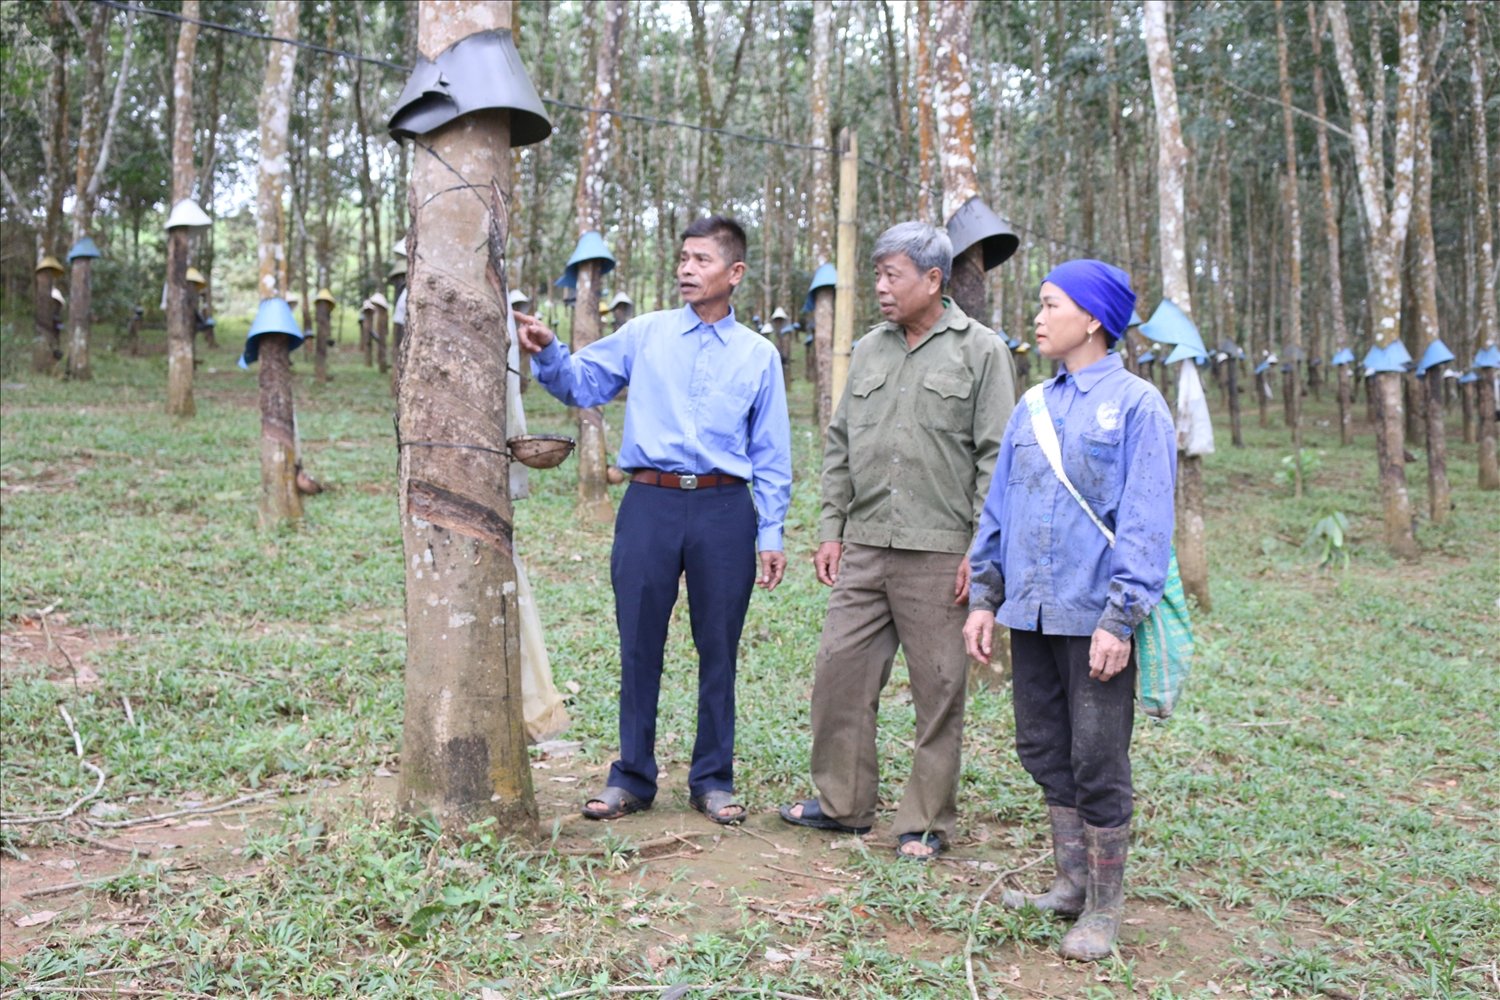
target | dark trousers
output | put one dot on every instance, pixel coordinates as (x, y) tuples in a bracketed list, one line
[(660, 534), (1072, 731)]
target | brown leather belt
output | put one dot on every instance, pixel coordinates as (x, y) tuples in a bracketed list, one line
[(672, 481)]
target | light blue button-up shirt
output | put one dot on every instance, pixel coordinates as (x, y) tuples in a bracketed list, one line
[(1037, 559), (704, 397)]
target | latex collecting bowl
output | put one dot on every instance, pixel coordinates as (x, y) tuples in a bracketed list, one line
[(540, 451)]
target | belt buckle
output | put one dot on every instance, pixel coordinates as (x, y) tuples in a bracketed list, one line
[(687, 482)]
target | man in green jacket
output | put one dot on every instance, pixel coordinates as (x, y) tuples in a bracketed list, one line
[(906, 468)]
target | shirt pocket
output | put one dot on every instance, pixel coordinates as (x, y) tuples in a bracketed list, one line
[(867, 404), (1100, 457), (945, 402), (723, 419)]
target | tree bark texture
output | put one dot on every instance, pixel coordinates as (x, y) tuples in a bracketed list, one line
[(1386, 225), (927, 140), (90, 124), (952, 101), (1489, 324), (1192, 553), (593, 494), (1331, 230), (45, 349), (324, 323), (179, 315), (380, 323), (464, 737), (1428, 388), (280, 503), (821, 223), (1293, 204)]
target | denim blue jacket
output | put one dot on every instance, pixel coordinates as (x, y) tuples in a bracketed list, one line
[(1038, 561)]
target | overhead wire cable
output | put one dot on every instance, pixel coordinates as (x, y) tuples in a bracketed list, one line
[(628, 115)]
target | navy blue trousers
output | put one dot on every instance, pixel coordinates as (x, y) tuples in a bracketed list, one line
[(660, 535)]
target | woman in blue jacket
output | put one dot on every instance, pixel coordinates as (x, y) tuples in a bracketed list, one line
[(1071, 595)]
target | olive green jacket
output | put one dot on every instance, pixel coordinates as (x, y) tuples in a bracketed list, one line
[(911, 447)]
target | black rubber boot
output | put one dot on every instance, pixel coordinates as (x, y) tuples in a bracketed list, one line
[(1093, 937), (1068, 892)]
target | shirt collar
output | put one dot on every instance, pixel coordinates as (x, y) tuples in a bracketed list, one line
[(953, 318), (688, 321), (1094, 373)]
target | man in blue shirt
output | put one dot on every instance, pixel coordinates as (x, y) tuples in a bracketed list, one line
[(706, 416)]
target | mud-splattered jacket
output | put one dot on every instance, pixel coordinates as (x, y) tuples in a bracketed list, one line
[(1038, 561)]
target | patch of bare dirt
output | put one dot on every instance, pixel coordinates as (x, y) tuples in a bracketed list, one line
[(69, 654)]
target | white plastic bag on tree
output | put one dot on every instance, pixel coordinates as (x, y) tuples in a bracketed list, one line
[(1195, 428)]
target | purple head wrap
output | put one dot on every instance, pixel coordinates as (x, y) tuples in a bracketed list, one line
[(1100, 289)]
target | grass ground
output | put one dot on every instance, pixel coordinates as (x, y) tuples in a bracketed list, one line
[(1319, 818)]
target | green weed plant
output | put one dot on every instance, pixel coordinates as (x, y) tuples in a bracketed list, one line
[(1318, 818)]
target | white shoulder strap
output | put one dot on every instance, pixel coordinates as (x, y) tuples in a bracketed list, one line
[(1046, 438)]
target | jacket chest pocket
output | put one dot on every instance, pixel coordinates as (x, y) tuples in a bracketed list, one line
[(1100, 459), (945, 400), (867, 403)]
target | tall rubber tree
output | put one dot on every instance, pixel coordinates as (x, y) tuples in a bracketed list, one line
[(463, 754), (593, 492), (1171, 170), (820, 227), (1489, 325), (952, 100), (1292, 383), (280, 501), (1331, 231), (1387, 216), (179, 309), (1423, 255)]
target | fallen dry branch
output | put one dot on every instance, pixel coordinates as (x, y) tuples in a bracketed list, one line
[(98, 785), (120, 824), (671, 840), (825, 878), (974, 917), (679, 990)]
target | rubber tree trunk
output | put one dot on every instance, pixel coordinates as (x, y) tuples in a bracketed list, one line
[(322, 322), (1466, 402), (1439, 494), (1232, 387), (366, 341), (280, 503), (1346, 405), (593, 493), (1192, 553), (822, 356), (463, 756), (179, 313), (179, 328), (380, 321), (1489, 474), (45, 349), (79, 327)]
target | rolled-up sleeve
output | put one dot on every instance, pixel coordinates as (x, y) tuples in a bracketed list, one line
[(1144, 520)]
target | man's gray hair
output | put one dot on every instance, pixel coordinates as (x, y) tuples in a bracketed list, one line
[(926, 246)]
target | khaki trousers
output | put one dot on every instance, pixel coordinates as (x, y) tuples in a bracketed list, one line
[(887, 598)]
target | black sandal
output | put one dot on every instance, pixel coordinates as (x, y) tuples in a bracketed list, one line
[(617, 802), (712, 803), (929, 840), (812, 816)]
